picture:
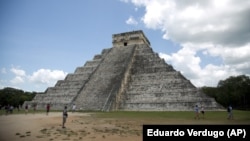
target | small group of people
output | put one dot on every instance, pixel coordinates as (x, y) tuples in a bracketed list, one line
[(202, 111), (8, 109), (64, 115)]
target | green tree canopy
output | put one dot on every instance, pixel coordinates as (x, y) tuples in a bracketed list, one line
[(14, 97), (234, 91)]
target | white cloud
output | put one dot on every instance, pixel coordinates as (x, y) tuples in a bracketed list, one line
[(216, 28), (199, 21), (19, 76), (189, 64), (232, 55), (47, 76), (40, 79), (18, 72), (17, 80), (236, 62), (131, 21)]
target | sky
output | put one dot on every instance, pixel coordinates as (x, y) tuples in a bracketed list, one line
[(41, 41)]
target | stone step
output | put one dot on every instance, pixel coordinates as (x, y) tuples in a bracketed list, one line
[(162, 99), (154, 80), (85, 69), (110, 72), (77, 77), (156, 91), (75, 83), (92, 63)]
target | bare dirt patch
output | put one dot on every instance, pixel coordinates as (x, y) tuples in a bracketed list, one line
[(79, 126)]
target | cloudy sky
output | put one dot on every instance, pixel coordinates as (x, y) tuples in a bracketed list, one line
[(41, 41)]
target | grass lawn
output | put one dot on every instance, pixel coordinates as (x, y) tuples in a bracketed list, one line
[(164, 117), (179, 117)]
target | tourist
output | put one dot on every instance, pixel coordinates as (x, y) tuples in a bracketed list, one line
[(196, 110), (65, 116), (230, 112), (73, 108), (26, 109), (48, 108), (34, 107), (202, 111)]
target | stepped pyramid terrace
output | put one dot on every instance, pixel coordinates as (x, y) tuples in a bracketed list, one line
[(129, 76)]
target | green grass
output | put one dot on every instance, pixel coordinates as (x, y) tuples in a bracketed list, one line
[(243, 115), (211, 117)]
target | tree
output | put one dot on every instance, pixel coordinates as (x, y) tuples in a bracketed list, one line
[(234, 90), (14, 97)]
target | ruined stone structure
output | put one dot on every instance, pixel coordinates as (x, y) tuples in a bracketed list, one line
[(130, 76)]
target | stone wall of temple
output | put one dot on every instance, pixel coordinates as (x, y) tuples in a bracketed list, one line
[(129, 38), (155, 85)]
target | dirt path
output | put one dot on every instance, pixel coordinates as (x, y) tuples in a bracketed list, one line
[(79, 126)]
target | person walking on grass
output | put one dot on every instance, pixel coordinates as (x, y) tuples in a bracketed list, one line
[(196, 110), (230, 112), (202, 111), (65, 116)]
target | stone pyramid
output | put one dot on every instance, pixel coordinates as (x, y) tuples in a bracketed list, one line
[(130, 76)]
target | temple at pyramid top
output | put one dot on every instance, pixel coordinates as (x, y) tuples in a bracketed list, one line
[(129, 38), (129, 76)]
